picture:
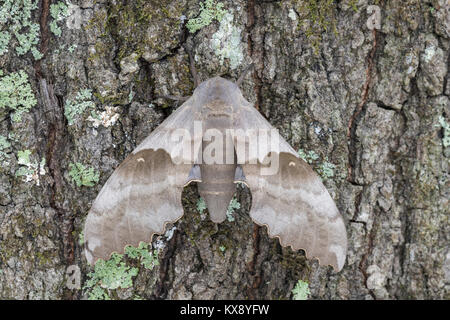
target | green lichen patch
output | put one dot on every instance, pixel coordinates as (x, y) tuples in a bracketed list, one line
[(234, 205), (29, 170), (324, 168), (59, 11), (111, 274), (209, 10), (15, 20), (82, 101), (149, 259), (301, 291), (309, 156), (16, 94), (82, 175), (201, 205), (226, 42)]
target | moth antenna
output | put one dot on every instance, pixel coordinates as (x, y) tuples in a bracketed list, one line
[(192, 67), (244, 73)]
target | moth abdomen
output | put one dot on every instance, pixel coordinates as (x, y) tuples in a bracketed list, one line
[(217, 189)]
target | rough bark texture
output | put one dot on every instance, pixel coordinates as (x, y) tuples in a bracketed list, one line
[(368, 101)]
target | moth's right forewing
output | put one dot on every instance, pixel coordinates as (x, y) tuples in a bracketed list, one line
[(250, 127), (138, 200), (287, 195), (180, 135), (144, 193), (297, 208)]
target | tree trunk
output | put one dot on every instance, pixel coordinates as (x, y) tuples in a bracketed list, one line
[(364, 96)]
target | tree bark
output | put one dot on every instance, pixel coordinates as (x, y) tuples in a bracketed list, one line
[(370, 100)]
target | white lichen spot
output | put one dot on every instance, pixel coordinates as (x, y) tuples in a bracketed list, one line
[(169, 233), (374, 20), (376, 279), (160, 243), (106, 118), (30, 171), (226, 42), (74, 18), (429, 53), (292, 15)]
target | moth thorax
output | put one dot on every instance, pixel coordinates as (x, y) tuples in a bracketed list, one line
[(218, 107)]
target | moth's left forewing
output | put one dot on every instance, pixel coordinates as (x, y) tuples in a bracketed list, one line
[(144, 193), (290, 198), (137, 201)]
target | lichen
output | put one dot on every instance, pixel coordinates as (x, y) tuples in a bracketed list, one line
[(16, 16), (81, 238), (16, 94), (201, 206), (106, 118), (149, 259), (29, 170), (226, 42), (115, 273), (234, 205), (325, 169), (111, 274), (301, 291), (82, 175), (59, 11), (209, 11), (446, 128), (83, 101), (308, 157)]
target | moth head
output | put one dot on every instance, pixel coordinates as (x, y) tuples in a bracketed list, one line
[(218, 93)]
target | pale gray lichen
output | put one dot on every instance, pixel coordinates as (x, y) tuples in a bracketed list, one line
[(309, 157), (209, 10), (58, 11), (325, 169), (160, 243), (234, 205), (82, 175), (149, 259), (226, 42), (300, 291), (106, 118), (5, 37), (292, 15), (201, 206), (111, 274), (15, 16), (82, 101), (16, 94), (446, 128), (72, 48), (28, 170)]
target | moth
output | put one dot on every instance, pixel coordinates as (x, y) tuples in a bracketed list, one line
[(144, 193)]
